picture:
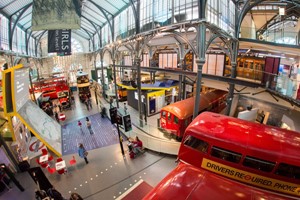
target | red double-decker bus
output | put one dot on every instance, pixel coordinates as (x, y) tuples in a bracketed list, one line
[(235, 158), (176, 117)]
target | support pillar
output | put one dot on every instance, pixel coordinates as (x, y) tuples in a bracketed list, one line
[(95, 63), (200, 62), (137, 62), (102, 75), (115, 80), (233, 75)]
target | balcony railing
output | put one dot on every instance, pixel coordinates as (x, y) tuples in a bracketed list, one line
[(277, 36)]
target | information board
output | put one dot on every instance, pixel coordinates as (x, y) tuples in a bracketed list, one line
[(21, 87)]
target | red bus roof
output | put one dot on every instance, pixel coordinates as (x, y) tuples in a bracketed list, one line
[(184, 109), (187, 182), (262, 141)]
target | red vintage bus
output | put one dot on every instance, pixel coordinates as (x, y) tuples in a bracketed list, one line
[(187, 182), (51, 87), (238, 151), (176, 117)]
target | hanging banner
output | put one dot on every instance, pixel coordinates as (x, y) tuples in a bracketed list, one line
[(56, 14), (59, 41)]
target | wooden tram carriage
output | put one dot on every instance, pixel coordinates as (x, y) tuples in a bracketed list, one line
[(176, 117)]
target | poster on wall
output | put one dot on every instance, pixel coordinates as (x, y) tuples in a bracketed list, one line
[(43, 125), (53, 15)]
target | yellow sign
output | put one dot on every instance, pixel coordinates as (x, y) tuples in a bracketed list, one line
[(250, 178)]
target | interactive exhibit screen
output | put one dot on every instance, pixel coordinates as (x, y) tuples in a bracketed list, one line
[(41, 123), (21, 80)]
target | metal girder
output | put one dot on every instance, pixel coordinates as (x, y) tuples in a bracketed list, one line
[(268, 23), (105, 15), (187, 41), (75, 32), (248, 6), (38, 40), (89, 34), (201, 8), (136, 17), (26, 6), (208, 76), (284, 97), (27, 40), (15, 24), (96, 31)]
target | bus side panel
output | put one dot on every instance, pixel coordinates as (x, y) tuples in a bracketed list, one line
[(181, 182)]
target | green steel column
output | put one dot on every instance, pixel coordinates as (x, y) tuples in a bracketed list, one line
[(233, 75), (115, 80), (200, 62), (137, 62), (102, 75)]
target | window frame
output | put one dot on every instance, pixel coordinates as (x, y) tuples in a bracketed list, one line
[(229, 154), (196, 141), (258, 164)]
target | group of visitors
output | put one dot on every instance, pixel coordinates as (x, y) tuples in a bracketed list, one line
[(88, 125), (135, 147), (52, 193)]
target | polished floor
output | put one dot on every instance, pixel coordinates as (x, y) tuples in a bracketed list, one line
[(108, 175)]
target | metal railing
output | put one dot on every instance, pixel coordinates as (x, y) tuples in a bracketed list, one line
[(280, 36)]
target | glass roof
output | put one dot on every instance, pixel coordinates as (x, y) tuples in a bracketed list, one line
[(94, 14)]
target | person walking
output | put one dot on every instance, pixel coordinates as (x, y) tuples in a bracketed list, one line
[(89, 125), (79, 124), (56, 117), (86, 104), (75, 196), (82, 153), (90, 102)]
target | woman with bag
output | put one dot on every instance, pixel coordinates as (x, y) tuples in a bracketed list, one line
[(83, 153)]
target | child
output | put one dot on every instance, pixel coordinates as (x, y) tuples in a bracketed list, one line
[(80, 124)]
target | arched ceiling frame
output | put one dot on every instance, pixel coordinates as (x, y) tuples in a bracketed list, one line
[(105, 15), (96, 31), (11, 34), (249, 4), (85, 24), (27, 39), (90, 36), (273, 21), (37, 41)]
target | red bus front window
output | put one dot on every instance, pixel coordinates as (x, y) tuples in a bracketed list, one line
[(163, 114), (225, 154), (196, 143), (287, 170), (255, 163), (176, 120), (169, 116)]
